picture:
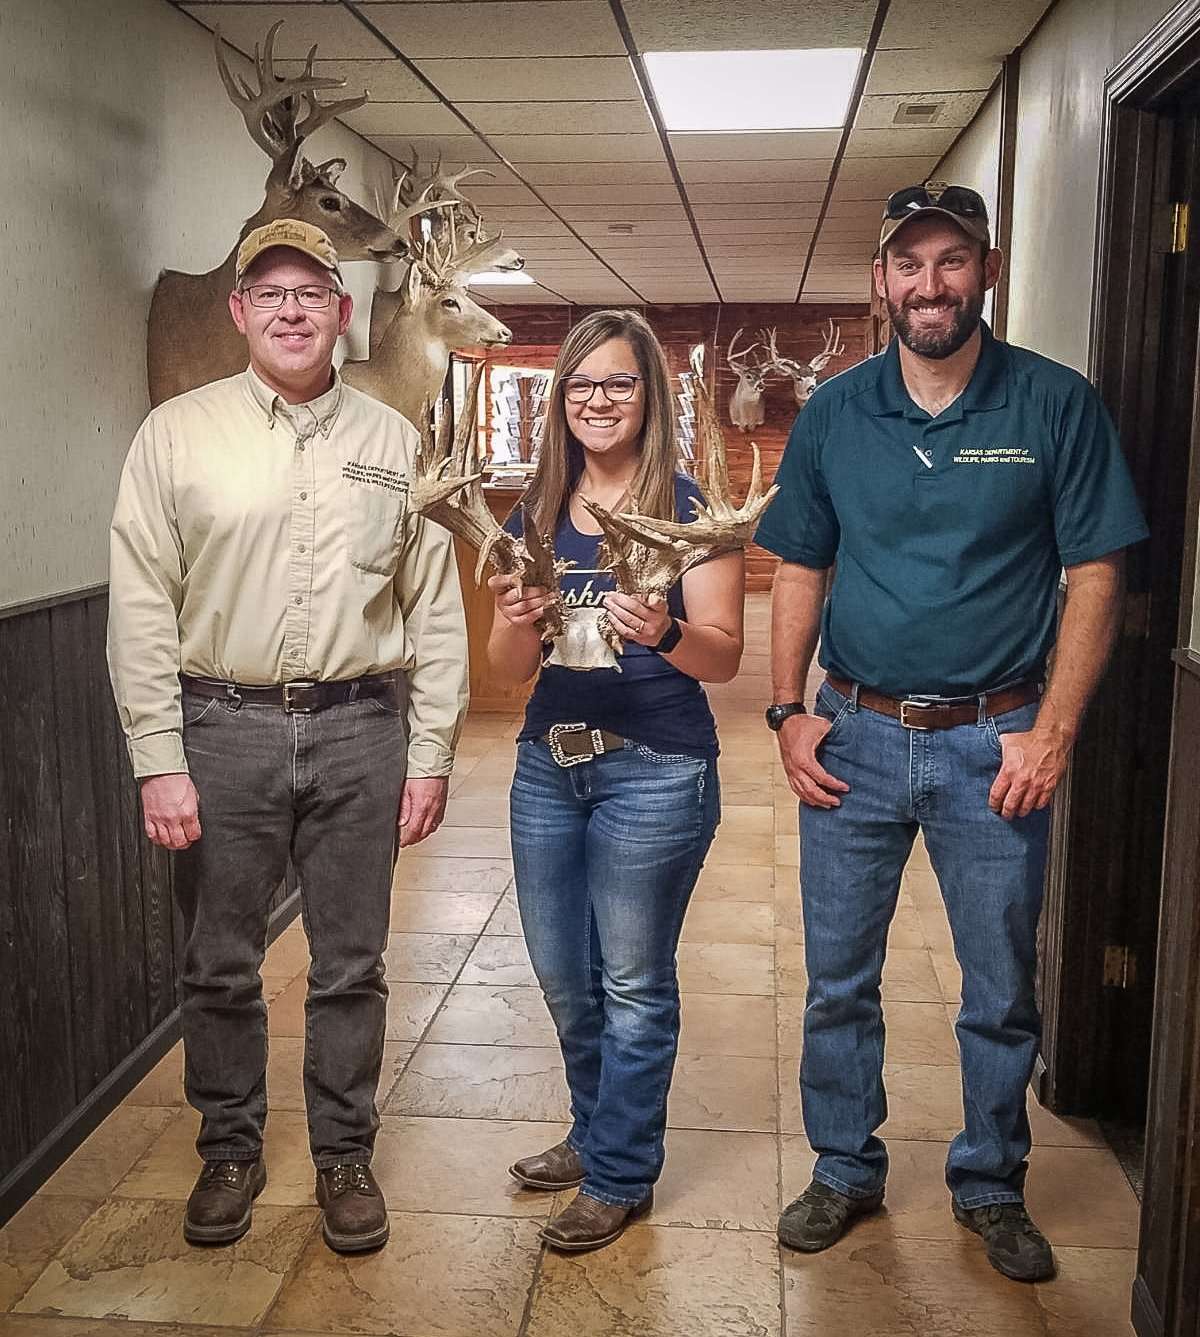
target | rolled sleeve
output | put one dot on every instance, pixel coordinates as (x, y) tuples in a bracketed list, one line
[(145, 590), (430, 598)]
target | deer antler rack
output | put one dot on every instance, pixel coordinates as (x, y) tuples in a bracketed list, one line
[(647, 555), (446, 488), (271, 111)]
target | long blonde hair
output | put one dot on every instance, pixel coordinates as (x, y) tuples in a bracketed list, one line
[(560, 462)]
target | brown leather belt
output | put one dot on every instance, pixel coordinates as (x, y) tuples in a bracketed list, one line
[(933, 714), (296, 698), (571, 744)]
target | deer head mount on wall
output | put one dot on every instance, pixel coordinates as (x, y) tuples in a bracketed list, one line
[(760, 362), (191, 340), (805, 374)]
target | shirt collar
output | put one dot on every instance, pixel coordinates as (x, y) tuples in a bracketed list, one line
[(318, 414), (987, 388)]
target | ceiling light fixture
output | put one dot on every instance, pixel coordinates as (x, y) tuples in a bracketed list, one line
[(497, 277), (738, 91)]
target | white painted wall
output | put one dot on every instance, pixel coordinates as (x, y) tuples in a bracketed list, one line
[(974, 160), (121, 156)]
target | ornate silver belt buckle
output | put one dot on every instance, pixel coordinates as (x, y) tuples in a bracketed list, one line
[(288, 705), (556, 749), (906, 706)]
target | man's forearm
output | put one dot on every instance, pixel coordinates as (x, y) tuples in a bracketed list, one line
[(1090, 621), (796, 604)]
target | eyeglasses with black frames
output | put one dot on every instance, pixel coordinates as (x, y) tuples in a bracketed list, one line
[(312, 296), (618, 389), (961, 200)]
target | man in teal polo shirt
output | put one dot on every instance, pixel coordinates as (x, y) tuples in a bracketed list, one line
[(949, 481)]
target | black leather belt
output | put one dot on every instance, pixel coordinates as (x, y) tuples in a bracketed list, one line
[(571, 744), (937, 714), (296, 698)]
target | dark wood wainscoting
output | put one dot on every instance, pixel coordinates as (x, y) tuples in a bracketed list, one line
[(89, 941)]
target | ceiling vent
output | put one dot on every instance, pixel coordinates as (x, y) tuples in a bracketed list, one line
[(918, 113), (621, 229)]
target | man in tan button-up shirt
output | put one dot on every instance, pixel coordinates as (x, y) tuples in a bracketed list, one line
[(288, 655)]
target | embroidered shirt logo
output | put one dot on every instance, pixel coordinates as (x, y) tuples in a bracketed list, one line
[(995, 455), (357, 472)]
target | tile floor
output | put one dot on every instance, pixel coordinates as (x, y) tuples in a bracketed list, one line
[(472, 1080)]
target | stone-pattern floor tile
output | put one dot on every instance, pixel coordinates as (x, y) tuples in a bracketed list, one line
[(715, 1091), (31, 1238), (949, 976), (657, 1282), (729, 921), (26, 1325), (287, 956), (754, 850), (439, 1276), (1053, 1130), (1080, 1197), (409, 1009), (720, 883), (472, 842), (285, 1072), (726, 968), (460, 1166), (130, 1260), (481, 1082), (163, 1084), (499, 961), (477, 812), (739, 819), (425, 958), (108, 1154), (506, 918), (718, 1180), (442, 911), (710, 1025), (489, 1014), (415, 871)]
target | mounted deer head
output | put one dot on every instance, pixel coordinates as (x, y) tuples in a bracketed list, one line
[(805, 374), (746, 407), (446, 488), (409, 360), (647, 555)]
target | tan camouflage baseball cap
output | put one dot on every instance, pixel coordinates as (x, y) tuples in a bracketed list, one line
[(960, 204), (290, 232)]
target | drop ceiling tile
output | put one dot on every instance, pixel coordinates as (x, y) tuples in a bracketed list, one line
[(726, 192), (593, 173), (886, 174), (764, 254), (764, 25), (642, 230), (528, 234), (387, 80), (801, 221), (543, 250), (336, 32), (902, 142), (802, 169), (404, 118), (548, 118), (848, 273), (756, 210), (859, 210), (455, 149), (487, 28), (612, 195), (848, 230), (622, 213), (484, 197), (530, 220), (776, 144), (774, 292), (957, 109), (929, 70), (550, 79), (508, 294), (980, 27), (590, 294), (579, 148), (671, 296)]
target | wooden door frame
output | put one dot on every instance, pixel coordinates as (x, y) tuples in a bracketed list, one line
[(1091, 853)]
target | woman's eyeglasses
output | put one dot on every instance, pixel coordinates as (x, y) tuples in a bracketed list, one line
[(617, 389)]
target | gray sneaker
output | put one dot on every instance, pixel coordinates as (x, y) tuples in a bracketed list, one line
[(1014, 1245), (820, 1215)]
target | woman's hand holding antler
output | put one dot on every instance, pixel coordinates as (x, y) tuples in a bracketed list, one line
[(642, 621), (519, 605)]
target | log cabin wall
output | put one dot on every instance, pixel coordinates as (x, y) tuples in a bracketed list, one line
[(538, 330)]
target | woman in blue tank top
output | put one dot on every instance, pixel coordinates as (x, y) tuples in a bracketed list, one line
[(612, 818)]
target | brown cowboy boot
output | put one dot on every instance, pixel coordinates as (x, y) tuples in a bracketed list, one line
[(221, 1203), (355, 1212), (559, 1167), (588, 1223)]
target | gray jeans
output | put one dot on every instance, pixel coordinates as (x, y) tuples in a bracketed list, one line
[(322, 790)]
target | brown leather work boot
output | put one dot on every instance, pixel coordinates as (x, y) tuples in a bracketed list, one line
[(591, 1224), (220, 1204), (559, 1167), (355, 1212)]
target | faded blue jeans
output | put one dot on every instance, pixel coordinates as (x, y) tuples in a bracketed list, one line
[(991, 876), (606, 856)]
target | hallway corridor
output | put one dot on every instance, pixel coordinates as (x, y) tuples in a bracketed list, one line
[(472, 1080)]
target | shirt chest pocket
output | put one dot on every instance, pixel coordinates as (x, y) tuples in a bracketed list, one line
[(375, 516)]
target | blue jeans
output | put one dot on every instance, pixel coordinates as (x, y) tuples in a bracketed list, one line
[(991, 876), (606, 856)]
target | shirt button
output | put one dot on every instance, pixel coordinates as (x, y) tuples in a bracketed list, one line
[(299, 445), (301, 548), (304, 496), (298, 600)]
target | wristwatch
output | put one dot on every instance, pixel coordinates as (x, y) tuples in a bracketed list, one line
[(777, 714), (669, 639)]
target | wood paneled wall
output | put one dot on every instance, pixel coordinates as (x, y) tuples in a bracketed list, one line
[(538, 330), (89, 939)]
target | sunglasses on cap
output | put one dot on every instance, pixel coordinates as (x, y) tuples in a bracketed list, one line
[(960, 200)]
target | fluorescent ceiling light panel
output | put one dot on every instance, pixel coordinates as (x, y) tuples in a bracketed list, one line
[(499, 276), (753, 90)]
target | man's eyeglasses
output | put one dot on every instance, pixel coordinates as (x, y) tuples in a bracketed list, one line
[(617, 389), (312, 297), (959, 200)]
